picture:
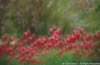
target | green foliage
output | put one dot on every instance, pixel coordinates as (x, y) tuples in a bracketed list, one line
[(53, 59), (38, 16)]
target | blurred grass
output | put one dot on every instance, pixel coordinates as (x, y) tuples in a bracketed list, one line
[(53, 59)]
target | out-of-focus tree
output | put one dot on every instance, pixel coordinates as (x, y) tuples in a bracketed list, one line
[(3, 4), (23, 14), (37, 15)]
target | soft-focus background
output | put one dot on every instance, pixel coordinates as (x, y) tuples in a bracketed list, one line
[(16, 16), (39, 15)]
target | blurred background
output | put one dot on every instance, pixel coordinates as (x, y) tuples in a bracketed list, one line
[(16, 16)]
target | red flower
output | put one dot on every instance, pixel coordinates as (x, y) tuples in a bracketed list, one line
[(60, 52), (5, 37)]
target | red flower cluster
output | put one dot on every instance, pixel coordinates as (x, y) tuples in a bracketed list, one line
[(28, 47)]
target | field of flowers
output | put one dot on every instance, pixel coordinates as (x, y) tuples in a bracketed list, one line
[(30, 49)]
